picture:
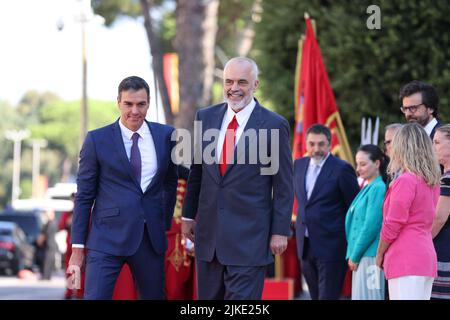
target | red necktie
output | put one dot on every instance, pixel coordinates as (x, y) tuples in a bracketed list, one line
[(228, 146)]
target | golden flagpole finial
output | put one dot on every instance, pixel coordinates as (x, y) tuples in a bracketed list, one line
[(306, 15)]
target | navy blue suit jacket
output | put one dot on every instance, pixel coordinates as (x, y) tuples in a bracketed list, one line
[(324, 212), (119, 207), (238, 213)]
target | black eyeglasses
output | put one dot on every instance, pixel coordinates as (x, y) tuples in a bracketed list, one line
[(412, 109)]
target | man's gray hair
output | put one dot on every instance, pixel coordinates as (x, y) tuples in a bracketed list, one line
[(393, 126), (255, 70)]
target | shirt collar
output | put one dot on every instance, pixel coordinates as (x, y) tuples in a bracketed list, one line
[(242, 115), (429, 127), (127, 133)]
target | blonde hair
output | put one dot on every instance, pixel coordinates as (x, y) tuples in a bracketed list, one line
[(413, 151)]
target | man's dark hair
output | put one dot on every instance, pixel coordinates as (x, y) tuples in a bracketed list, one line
[(429, 95), (320, 129), (133, 83)]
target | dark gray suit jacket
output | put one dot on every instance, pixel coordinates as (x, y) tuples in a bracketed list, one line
[(238, 213)]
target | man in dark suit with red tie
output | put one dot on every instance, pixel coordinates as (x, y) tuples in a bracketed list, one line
[(126, 176), (238, 205)]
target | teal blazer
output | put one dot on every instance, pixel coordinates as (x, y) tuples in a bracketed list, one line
[(363, 221)]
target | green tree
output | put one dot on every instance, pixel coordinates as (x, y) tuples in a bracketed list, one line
[(9, 119), (57, 121), (194, 41), (59, 126), (366, 67)]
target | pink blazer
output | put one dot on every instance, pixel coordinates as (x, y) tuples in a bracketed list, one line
[(408, 213)]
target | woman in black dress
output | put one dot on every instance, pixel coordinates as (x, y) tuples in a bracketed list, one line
[(441, 224)]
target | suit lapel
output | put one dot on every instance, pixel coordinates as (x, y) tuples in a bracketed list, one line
[(303, 172), (254, 122), (158, 141), (361, 194), (120, 149), (323, 176), (215, 122)]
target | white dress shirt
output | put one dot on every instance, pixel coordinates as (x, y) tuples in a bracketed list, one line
[(242, 118), (430, 125), (146, 148), (148, 155)]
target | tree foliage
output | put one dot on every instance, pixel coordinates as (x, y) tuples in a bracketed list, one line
[(366, 67), (59, 124), (111, 9), (50, 118), (234, 16)]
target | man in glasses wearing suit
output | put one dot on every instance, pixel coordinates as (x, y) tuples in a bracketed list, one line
[(420, 104)]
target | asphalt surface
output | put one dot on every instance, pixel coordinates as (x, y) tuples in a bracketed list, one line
[(13, 288)]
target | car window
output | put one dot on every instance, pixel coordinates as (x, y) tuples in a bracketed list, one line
[(5, 232), (30, 224)]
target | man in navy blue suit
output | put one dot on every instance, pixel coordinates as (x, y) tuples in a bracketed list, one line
[(127, 179), (324, 188), (238, 208)]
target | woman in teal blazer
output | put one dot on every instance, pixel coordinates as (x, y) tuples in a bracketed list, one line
[(363, 224)]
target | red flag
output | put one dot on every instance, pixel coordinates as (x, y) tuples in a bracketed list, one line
[(315, 100), (315, 103), (179, 263)]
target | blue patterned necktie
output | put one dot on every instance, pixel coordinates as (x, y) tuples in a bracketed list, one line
[(135, 158)]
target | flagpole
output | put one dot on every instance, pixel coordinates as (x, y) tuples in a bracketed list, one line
[(313, 23), (298, 71), (345, 143)]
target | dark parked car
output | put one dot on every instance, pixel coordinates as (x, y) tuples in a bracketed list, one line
[(29, 221), (15, 252)]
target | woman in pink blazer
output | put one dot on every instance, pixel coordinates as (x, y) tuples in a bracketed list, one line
[(406, 250)]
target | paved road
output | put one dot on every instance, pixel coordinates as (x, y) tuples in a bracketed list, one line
[(13, 288)]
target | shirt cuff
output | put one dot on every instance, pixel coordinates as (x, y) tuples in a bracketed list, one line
[(186, 219), (78, 245)]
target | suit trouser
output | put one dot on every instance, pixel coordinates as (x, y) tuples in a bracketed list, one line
[(410, 288), (222, 282), (324, 278), (147, 267)]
